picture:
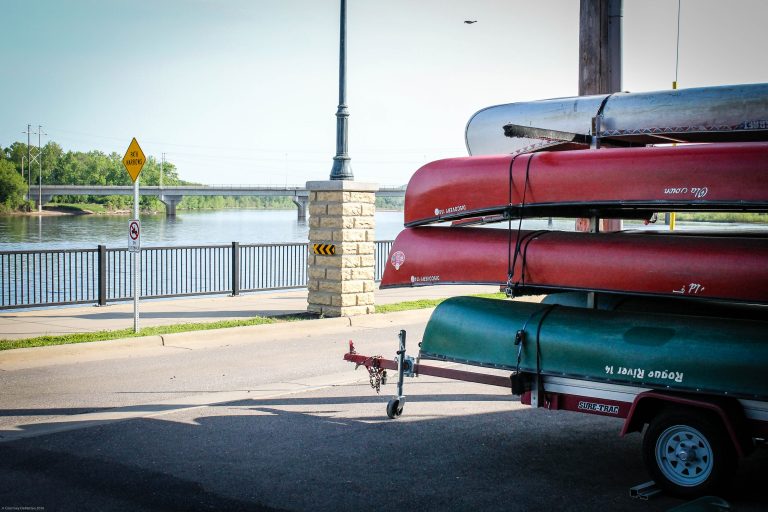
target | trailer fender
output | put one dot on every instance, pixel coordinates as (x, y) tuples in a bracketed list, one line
[(648, 404)]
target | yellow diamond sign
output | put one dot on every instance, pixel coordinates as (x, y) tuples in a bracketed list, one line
[(134, 160)]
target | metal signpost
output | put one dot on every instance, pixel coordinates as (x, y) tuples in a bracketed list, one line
[(133, 161)]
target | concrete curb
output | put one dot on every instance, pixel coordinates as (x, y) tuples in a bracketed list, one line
[(24, 358)]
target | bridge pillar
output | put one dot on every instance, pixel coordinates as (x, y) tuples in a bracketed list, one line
[(301, 203), (170, 203), (44, 199), (341, 216)]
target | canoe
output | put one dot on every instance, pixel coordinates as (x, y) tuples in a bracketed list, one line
[(711, 355), (729, 113), (606, 182), (660, 264)]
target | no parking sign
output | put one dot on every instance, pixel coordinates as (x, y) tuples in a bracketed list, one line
[(134, 235)]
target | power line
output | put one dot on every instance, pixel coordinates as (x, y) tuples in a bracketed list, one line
[(677, 48), (282, 150)]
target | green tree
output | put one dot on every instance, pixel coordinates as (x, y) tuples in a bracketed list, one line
[(12, 187)]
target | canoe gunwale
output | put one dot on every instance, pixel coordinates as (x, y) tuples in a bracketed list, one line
[(601, 209), (521, 289)]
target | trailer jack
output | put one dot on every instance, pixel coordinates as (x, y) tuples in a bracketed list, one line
[(407, 366)]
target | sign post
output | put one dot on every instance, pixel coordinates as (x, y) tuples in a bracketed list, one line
[(133, 161)]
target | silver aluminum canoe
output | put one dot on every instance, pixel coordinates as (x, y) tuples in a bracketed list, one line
[(706, 114)]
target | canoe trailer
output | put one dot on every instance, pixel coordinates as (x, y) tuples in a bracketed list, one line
[(691, 446), (695, 377)]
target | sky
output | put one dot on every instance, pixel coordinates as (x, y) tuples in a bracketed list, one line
[(245, 91)]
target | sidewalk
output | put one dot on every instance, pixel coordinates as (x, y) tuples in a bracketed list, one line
[(21, 323)]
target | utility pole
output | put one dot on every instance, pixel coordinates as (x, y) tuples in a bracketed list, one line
[(162, 165), (40, 164), (600, 46), (600, 64), (342, 170), (29, 161)]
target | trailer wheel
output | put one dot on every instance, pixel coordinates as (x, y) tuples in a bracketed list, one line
[(688, 453), (394, 408)]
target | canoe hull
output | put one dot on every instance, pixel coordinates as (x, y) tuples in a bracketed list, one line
[(576, 183), (714, 356), (701, 267)]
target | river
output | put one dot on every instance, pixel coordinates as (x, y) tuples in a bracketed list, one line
[(203, 227), (200, 227)]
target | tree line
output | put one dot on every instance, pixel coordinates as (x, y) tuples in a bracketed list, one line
[(61, 167)]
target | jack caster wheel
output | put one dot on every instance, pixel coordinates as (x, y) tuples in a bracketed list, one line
[(688, 453), (394, 409)]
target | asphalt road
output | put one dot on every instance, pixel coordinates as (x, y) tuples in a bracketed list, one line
[(269, 419)]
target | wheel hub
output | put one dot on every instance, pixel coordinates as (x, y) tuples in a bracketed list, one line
[(684, 455)]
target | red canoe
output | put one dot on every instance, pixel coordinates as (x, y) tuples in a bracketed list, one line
[(605, 182), (708, 267)]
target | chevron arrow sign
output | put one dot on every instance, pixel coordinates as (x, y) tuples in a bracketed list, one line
[(324, 249)]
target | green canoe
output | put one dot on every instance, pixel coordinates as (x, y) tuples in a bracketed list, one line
[(723, 356)]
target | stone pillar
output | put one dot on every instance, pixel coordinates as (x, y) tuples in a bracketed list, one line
[(341, 213)]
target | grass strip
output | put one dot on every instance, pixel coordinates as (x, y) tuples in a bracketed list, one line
[(426, 303), (67, 339)]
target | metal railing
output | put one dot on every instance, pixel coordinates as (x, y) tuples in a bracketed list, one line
[(102, 275)]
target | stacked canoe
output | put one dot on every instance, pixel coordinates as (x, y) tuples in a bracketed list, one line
[(704, 274)]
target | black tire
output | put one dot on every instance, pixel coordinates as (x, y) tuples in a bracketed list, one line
[(688, 453), (394, 409)]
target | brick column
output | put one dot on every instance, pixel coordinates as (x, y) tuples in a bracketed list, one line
[(341, 213)]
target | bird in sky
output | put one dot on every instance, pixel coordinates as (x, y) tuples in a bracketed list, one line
[(469, 22)]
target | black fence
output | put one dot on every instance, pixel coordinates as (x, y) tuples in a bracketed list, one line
[(102, 275)]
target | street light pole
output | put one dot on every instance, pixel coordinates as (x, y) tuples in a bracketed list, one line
[(342, 170)]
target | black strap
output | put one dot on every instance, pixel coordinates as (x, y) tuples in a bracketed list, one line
[(520, 336), (538, 337), (511, 288)]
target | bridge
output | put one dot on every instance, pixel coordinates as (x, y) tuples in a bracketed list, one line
[(171, 196)]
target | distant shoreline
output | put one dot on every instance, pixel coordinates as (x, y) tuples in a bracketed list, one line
[(54, 211)]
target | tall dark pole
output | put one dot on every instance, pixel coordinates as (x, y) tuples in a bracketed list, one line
[(600, 46), (342, 170), (599, 67)]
